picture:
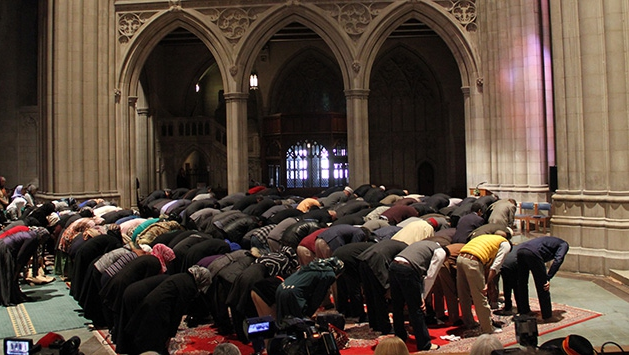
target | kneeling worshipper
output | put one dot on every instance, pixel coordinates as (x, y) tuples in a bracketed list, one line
[(156, 320), (137, 269), (412, 275), (15, 252), (301, 294)]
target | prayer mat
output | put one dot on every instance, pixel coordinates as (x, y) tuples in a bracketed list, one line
[(565, 316), (203, 339)]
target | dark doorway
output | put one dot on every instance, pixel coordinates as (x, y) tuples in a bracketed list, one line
[(426, 179)]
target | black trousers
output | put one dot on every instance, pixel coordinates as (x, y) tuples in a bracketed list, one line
[(407, 285), (377, 305), (528, 261)]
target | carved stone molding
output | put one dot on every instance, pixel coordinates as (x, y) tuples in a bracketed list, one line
[(129, 24), (29, 120), (463, 10), (233, 70), (175, 5), (117, 94), (356, 67), (234, 22), (354, 17)]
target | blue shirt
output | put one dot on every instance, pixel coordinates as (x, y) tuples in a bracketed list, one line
[(548, 248)]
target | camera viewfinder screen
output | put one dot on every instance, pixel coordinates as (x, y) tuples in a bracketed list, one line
[(16, 347), (258, 327)]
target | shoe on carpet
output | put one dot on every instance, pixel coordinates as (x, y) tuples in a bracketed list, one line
[(552, 319), (433, 347), (504, 312), (471, 333)]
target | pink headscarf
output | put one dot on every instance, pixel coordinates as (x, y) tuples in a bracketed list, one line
[(164, 254)]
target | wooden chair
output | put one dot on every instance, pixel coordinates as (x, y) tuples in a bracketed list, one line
[(542, 215), (525, 214)]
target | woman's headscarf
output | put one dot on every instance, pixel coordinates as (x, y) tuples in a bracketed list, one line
[(202, 277), (17, 192), (164, 254)]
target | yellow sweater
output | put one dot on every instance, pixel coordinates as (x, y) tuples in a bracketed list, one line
[(485, 247)]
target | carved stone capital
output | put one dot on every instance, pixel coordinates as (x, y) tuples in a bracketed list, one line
[(133, 100), (361, 94), (236, 96)]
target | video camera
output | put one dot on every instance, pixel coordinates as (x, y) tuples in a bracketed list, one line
[(526, 330), (258, 329), (525, 333), (298, 336)]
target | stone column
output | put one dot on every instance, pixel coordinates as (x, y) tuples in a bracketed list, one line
[(591, 206), (358, 136), (142, 122), (478, 143), (237, 156), (80, 102), (514, 87)]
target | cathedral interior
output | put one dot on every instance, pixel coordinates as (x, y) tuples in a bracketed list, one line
[(114, 99)]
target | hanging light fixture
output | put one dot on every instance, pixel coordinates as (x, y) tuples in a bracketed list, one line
[(253, 81)]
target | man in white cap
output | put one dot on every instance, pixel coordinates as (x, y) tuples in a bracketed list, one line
[(337, 197)]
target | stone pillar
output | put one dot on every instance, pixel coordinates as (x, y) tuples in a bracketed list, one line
[(591, 206), (478, 143), (237, 154), (80, 101), (514, 88), (358, 136), (143, 129)]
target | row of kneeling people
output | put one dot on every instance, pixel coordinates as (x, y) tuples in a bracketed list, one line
[(248, 254)]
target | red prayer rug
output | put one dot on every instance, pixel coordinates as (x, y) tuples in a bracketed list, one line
[(203, 339), (362, 340)]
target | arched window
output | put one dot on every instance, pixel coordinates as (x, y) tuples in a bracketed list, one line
[(341, 167), (307, 165)]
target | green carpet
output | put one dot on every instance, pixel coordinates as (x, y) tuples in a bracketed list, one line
[(53, 310)]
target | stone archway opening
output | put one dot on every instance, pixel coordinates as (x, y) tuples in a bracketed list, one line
[(184, 111), (416, 112)]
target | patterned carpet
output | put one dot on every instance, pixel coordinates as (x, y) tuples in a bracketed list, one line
[(55, 311), (203, 339)]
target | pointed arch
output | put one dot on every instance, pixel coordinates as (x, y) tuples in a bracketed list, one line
[(433, 15), (149, 35), (307, 61), (194, 148), (281, 16), (129, 68)]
